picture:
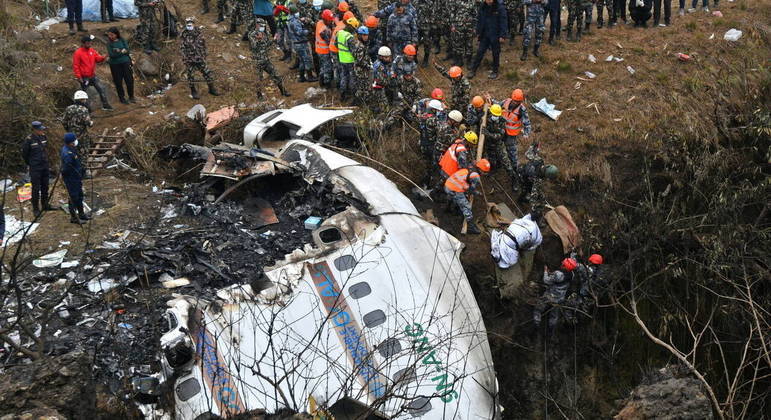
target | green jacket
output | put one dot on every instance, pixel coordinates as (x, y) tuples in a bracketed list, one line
[(117, 57)]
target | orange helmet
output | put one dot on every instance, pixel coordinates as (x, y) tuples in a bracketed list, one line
[(477, 101), (483, 165), (595, 259), (409, 49), (343, 6), (569, 264), (371, 22), (437, 94), (347, 15), (518, 95), (455, 71)]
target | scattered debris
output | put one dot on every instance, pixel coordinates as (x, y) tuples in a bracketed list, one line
[(46, 24), (592, 59), (683, 57), (590, 74), (50, 260), (174, 283), (16, 229), (547, 108), (717, 13), (533, 72), (312, 223), (197, 113), (630, 70), (732, 35), (7, 185), (631, 99), (712, 36), (313, 92), (609, 58)]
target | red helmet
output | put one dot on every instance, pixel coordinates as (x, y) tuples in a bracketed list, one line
[(327, 15), (437, 94), (595, 259), (569, 264), (342, 6)]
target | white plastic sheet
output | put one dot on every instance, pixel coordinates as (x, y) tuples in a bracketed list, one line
[(16, 229), (505, 251), (732, 35), (50, 260), (121, 9), (547, 109)]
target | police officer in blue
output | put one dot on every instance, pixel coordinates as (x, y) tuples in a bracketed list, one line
[(72, 174), (33, 150)]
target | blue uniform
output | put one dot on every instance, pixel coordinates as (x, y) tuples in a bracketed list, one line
[(298, 33), (72, 175), (535, 16)]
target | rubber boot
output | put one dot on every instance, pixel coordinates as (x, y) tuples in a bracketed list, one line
[(570, 35), (535, 50), (523, 57), (471, 73), (302, 76), (81, 28), (449, 55), (35, 210), (194, 92), (212, 89), (283, 90), (296, 64), (72, 28), (74, 216), (81, 214), (578, 34), (220, 17), (426, 54), (459, 61), (232, 29)]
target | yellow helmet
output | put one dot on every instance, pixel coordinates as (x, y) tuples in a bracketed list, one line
[(471, 137), (496, 110), (353, 22)]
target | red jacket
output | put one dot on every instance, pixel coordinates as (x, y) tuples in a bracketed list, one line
[(84, 62)]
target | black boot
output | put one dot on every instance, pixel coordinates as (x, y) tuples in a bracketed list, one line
[(471, 73), (232, 29), (438, 48), (296, 64), (570, 34), (154, 46), (309, 77), (551, 38), (35, 209), (283, 90), (81, 28), (426, 53), (523, 57), (302, 76), (449, 55), (220, 17), (72, 28), (245, 37), (194, 92), (212, 89), (578, 34), (535, 50), (205, 8), (287, 55), (74, 216), (81, 214)]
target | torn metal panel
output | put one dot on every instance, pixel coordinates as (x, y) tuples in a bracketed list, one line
[(286, 124)]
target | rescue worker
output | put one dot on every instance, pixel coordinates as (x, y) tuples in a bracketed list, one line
[(405, 63), (147, 29), (323, 37), (591, 280), (462, 23), (410, 88), (375, 36), (345, 43), (260, 43), (495, 130), (457, 155), (640, 12), (532, 175), (299, 35), (462, 183), (362, 69), (491, 29), (576, 11), (515, 15), (401, 29), (556, 284), (460, 85), (517, 124), (381, 75), (429, 124), (426, 15), (334, 51), (447, 132), (35, 156), (84, 61), (72, 175), (193, 48), (619, 11), (222, 10), (241, 14), (553, 9), (76, 119), (533, 28), (601, 6), (474, 112), (281, 14)]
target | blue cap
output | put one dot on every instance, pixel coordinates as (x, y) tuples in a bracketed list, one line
[(69, 138), (37, 125), (363, 30)]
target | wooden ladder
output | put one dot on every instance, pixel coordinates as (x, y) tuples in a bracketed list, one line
[(102, 150)]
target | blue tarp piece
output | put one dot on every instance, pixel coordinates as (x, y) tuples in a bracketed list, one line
[(121, 9)]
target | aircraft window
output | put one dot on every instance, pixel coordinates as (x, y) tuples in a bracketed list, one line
[(389, 347), (172, 321), (405, 376), (345, 262), (374, 318), (359, 290), (271, 117), (330, 235), (419, 406), (188, 389)]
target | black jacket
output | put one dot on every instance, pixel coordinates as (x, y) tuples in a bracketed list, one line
[(34, 152), (492, 22)]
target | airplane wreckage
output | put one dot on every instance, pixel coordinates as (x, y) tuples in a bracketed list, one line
[(371, 318)]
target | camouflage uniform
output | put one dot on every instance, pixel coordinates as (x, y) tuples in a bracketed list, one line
[(428, 130), (602, 5), (531, 174), (535, 16), (446, 134), (326, 70), (557, 284), (576, 10), (77, 120), (260, 43), (410, 90), (401, 66), (307, 11), (515, 11), (242, 13), (461, 89), (362, 76), (382, 83), (147, 29), (426, 10), (463, 20), (494, 134), (473, 117), (193, 49), (402, 30)]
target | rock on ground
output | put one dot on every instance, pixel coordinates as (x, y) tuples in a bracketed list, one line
[(667, 396)]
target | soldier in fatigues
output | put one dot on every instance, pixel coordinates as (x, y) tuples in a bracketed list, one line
[(381, 79), (534, 27), (259, 43), (576, 10), (222, 6), (557, 284), (461, 88), (77, 119), (402, 29), (532, 175), (474, 113), (462, 25), (602, 5), (241, 14), (362, 69), (375, 37), (446, 133), (494, 136), (515, 11), (466, 182), (193, 48), (426, 15), (405, 63), (147, 29), (409, 90), (428, 122)]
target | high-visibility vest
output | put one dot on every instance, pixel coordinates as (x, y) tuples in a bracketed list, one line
[(459, 181), (513, 124), (322, 46), (449, 160), (339, 25), (344, 55)]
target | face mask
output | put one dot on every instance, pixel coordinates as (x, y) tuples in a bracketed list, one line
[(318, 8), (261, 29), (189, 27), (303, 1), (75, 143), (494, 118)]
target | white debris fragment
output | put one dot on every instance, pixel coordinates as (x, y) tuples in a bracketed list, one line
[(17, 229), (174, 283), (102, 285), (592, 59), (547, 109), (7, 185), (70, 264), (590, 74), (533, 72), (241, 57), (630, 70), (46, 24), (50, 260), (609, 59), (169, 212), (732, 35), (712, 36)]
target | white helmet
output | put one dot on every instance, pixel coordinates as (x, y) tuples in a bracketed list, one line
[(455, 115), (435, 104), (384, 51), (80, 95), (317, 3)]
